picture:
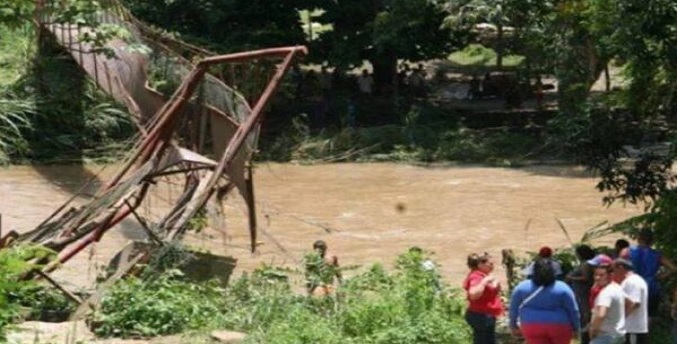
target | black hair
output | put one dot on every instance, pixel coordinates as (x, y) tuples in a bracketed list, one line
[(621, 244), (475, 259), (585, 252), (645, 236), (320, 244), (544, 273)]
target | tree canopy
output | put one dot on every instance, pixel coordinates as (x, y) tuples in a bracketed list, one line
[(227, 25), (382, 31)]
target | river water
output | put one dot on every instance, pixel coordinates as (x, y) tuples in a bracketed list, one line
[(367, 213)]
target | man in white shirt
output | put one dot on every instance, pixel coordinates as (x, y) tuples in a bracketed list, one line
[(607, 325), (636, 302)]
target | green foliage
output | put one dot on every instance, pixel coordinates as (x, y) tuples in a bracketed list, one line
[(165, 305), (169, 257), (14, 264), (15, 121), (41, 299), (88, 13), (317, 271), (199, 221), (227, 25), (15, 13), (71, 118), (16, 48), (478, 57), (664, 219), (376, 306), (597, 136), (381, 32), (403, 307)]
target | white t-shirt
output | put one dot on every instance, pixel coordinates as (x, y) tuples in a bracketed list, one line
[(636, 289), (613, 298)]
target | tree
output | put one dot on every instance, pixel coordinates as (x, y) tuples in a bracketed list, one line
[(381, 32), (526, 18), (227, 25), (645, 38), (15, 13), (466, 13)]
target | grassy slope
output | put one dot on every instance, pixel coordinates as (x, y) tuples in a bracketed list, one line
[(15, 49)]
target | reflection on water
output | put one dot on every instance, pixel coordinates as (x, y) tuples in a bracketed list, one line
[(366, 212)]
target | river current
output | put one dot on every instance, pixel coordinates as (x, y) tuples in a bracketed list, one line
[(367, 213)]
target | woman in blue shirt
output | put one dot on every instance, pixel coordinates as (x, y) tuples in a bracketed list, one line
[(544, 309)]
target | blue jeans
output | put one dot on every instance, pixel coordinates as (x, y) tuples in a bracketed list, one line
[(483, 327), (608, 339)]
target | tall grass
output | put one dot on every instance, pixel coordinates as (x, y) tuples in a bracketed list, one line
[(15, 121), (17, 47)]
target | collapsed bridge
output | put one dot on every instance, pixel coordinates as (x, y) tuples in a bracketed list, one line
[(200, 139)]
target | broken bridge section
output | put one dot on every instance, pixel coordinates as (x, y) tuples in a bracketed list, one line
[(199, 141)]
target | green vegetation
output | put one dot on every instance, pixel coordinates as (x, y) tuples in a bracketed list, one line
[(49, 112), (425, 134), (13, 265), (476, 56), (158, 306), (17, 48), (375, 306)]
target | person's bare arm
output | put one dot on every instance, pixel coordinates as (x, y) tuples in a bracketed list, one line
[(630, 306), (337, 270), (476, 291), (597, 318)]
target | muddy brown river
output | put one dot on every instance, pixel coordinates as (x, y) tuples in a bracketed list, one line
[(367, 213)]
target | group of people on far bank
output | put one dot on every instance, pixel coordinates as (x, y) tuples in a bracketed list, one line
[(606, 299)]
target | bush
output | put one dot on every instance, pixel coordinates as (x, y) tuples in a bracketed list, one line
[(406, 305), (14, 264), (161, 306), (376, 306)]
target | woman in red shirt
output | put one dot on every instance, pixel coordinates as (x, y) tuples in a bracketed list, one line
[(485, 304)]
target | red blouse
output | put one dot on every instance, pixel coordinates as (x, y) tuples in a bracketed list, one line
[(489, 302)]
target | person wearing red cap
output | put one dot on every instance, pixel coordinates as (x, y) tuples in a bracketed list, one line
[(544, 252)]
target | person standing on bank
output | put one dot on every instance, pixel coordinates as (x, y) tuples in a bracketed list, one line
[(636, 302), (581, 280), (545, 307), (647, 262), (484, 300), (608, 316)]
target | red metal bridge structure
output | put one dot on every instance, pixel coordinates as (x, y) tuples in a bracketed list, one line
[(200, 138)]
